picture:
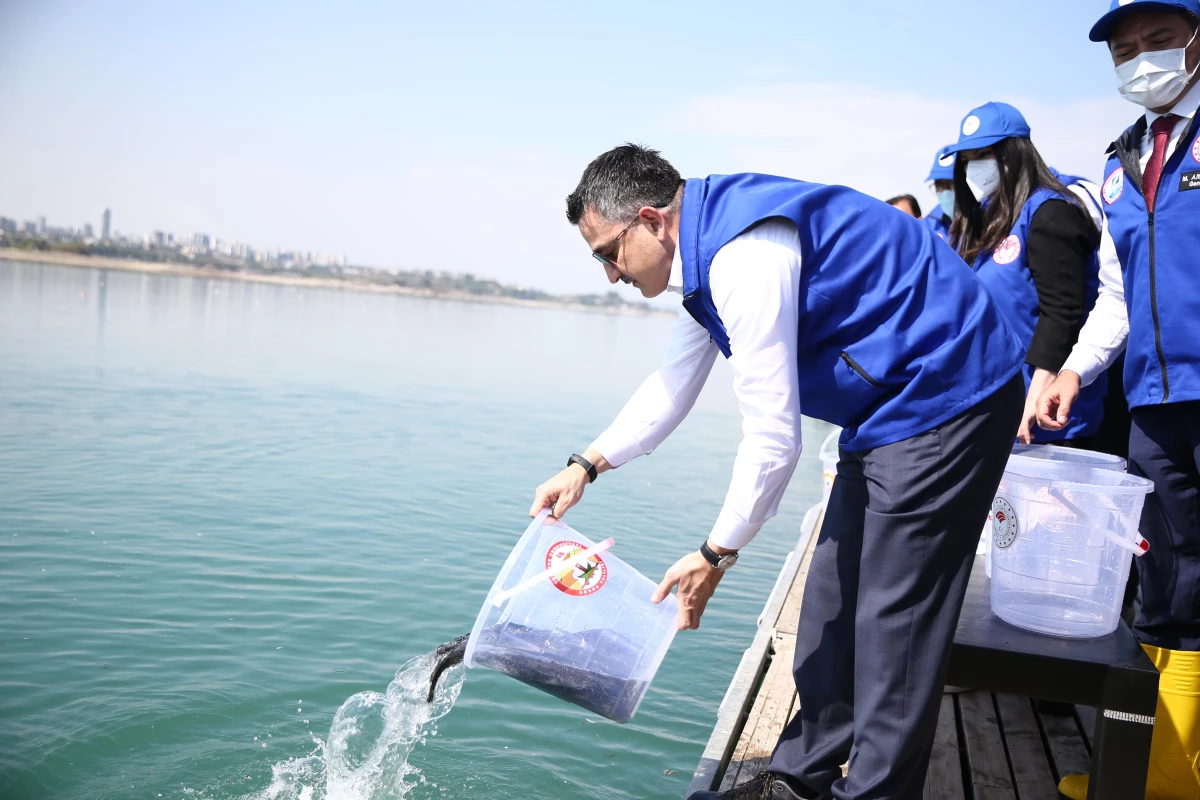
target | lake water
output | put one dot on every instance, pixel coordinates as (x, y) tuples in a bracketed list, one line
[(226, 507)]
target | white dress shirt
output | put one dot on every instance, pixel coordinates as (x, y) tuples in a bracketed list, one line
[(1102, 338), (755, 281)]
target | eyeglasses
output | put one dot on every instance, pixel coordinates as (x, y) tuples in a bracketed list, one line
[(607, 260)]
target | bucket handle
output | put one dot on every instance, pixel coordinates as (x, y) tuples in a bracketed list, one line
[(534, 580), (1139, 546)]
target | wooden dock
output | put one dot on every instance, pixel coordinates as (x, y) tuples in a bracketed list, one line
[(988, 746)]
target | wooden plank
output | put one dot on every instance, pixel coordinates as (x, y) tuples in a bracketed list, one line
[(772, 709), (1067, 753), (788, 620), (985, 748), (1087, 721), (944, 781), (1026, 756)]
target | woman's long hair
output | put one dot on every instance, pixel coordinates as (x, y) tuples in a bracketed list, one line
[(975, 229)]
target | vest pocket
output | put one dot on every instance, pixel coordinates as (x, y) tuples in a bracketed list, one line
[(862, 373)]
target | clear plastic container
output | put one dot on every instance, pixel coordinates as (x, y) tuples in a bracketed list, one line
[(1047, 452), (1062, 540), (829, 461), (585, 632)]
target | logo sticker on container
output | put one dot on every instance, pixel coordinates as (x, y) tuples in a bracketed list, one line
[(577, 578), (1005, 528)]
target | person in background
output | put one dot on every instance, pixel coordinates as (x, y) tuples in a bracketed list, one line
[(906, 203), (1149, 307), (1033, 243), (824, 301), (941, 183)]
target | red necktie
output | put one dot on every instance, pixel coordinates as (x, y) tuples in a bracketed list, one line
[(1161, 128)]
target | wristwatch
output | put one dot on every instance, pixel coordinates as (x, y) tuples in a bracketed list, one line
[(587, 466), (718, 561)]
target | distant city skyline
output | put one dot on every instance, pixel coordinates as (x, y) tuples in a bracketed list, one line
[(446, 137), (189, 245)]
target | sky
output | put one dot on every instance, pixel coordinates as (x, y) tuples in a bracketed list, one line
[(446, 136)]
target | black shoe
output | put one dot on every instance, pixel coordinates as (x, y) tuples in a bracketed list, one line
[(765, 786)]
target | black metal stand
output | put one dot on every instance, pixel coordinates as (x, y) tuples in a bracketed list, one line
[(1111, 673)]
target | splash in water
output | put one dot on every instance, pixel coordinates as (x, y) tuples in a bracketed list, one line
[(372, 736)]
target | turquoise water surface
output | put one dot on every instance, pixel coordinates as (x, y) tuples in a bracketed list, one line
[(227, 507)]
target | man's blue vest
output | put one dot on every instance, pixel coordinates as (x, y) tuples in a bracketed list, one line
[(896, 334), (1159, 266), (1005, 271), (938, 222)]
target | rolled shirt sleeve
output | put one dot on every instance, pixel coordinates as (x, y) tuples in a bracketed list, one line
[(663, 399), (1103, 336), (755, 281)]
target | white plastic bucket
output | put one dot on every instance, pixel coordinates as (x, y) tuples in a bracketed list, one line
[(586, 632), (1047, 452), (829, 461), (1062, 536)]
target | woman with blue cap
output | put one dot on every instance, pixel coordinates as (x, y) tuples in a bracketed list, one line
[(941, 183), (1149, 308), (1033, 243)]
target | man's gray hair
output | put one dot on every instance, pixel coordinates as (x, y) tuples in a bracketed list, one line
[(620, 182)]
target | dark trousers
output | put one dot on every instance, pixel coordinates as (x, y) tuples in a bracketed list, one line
[(882, 599), (1164, 446)]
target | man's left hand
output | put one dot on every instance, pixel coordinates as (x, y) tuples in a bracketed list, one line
[(697, 580)]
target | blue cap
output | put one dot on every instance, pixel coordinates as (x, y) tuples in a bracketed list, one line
[(943, 166), (988, 124), (1102, 30)]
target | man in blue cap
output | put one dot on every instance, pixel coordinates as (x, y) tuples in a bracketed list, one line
[(941, 181), (1149, 307)]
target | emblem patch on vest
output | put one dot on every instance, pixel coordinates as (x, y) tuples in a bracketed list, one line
[(1189, 181), (1196, 149), (1008, 251), (1114, 185)]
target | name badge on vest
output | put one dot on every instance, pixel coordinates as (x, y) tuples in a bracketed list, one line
[(1189, 181)]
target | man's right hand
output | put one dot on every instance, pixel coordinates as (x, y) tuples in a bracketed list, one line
[(560, 492), (1054, 406)]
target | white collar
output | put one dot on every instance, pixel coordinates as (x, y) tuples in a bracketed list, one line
[(675, 282), (1185, 106)]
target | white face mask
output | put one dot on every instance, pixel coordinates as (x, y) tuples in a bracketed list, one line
[(946, 201), (983, 177), (1157, 78)]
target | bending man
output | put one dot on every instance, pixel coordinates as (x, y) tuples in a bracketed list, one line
[(826, 300)]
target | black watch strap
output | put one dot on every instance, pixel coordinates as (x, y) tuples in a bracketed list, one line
[(587, 466), (716, 559)]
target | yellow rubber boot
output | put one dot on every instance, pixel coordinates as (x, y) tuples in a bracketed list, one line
[(1074, 787), (1174, 772), (1175, 749)]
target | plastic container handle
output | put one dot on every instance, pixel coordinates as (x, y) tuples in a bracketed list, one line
[(534, 580), (1139, 547)]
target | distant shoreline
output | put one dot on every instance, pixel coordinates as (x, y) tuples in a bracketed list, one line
[(343, 284)]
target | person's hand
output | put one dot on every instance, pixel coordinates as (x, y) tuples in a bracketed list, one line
[(1042, 378), (560, 492), (1054, 404), (697, 580)]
